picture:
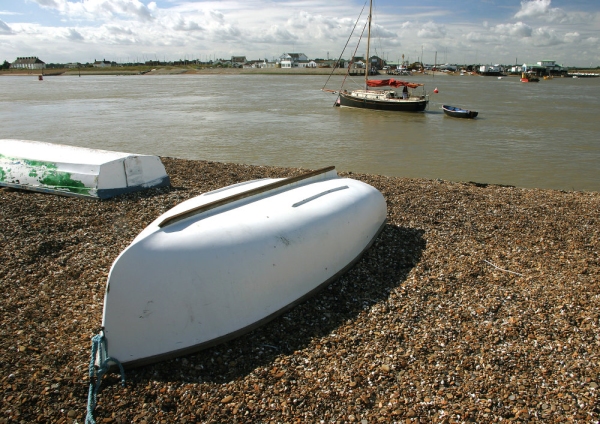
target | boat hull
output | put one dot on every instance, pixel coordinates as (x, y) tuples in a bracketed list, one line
[(459, 113), (189, 282), (396, 105), (77, 171)]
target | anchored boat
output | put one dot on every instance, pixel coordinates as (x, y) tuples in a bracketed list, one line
[(457, 112), (77, 171), (373, 97), (220, 264)]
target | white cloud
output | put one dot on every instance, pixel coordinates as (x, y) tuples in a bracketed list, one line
[(513, 30), (99, 9), (544, 37), (533, 9), (432, 30), (541, 10), (275, 34), (74, 35), (4, 28)]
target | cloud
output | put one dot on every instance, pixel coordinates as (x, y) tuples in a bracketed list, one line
[(74, 35), (432, 30), (541, 10), (4, 28), (513, 30), (316, 28), (185, 25), (544, 37), (100, 9), (274, 35)]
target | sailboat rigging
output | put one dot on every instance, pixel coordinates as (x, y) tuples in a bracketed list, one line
[(383, 99)]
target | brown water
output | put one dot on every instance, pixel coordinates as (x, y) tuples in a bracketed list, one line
[(544, 135)]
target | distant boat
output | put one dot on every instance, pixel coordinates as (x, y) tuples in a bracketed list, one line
[(525, 77), (456, 112), (584, 75), (221, 264)]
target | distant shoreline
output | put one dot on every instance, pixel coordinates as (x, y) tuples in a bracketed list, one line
[(177, 70), (190, 71)]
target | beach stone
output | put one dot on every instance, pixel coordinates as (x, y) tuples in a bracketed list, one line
[(478, 300)]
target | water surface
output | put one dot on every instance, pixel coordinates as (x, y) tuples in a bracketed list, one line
[(543, 135)]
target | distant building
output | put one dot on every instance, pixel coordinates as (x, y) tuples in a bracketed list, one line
[(553, 68), (292, 60), (238, 61), (102, 63), (537, 70), (28, 63), (491, 70), (448, 67), (376, 62)]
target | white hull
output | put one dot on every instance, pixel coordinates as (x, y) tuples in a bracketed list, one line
[(208, 276), (77, 171)]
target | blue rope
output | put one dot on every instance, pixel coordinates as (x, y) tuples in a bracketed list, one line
[(99, 351)]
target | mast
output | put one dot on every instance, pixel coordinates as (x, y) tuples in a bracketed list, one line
[(368, 68)]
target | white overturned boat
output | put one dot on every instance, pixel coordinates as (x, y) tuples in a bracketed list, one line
[(222, 263), (77, 171)]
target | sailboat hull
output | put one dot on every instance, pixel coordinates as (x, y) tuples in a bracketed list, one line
[(395, 105)]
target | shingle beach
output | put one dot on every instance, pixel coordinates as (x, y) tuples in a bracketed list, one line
[(477, 303)]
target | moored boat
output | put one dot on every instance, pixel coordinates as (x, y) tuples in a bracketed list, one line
[(387, 99), (456, 112), (369, 97), (526, 77), (220, 264)]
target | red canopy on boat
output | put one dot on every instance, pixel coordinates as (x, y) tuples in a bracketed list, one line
[(392, 83)]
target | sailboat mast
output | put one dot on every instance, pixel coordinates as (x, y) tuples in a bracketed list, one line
[(368, 64)]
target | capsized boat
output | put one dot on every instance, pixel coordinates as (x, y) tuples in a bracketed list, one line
[(77, 171), (220, 264), (457, 112)]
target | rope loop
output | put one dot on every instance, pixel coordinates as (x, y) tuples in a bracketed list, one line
[(99, 355)]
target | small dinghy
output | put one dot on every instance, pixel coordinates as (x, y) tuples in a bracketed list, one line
[(456, 112), (77, 171), (220, 264)]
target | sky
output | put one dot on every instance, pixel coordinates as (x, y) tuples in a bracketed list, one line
[(456, 32)]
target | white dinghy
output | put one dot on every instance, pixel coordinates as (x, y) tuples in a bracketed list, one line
[(225, 262), (77, 171)]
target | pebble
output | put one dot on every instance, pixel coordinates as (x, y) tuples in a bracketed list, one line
[(477, 303)]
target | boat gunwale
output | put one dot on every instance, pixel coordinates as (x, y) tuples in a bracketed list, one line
[(239, 196)]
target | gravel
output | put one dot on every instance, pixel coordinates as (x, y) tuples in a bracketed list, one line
[(477, 303)]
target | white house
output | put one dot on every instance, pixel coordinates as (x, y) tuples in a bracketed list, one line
[(31, 62), (292, 60), (102, 63), (490, 69)]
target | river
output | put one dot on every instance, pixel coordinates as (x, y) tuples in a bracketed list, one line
[(535, 135)]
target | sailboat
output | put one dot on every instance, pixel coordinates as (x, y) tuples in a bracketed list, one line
[(383, 99)]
